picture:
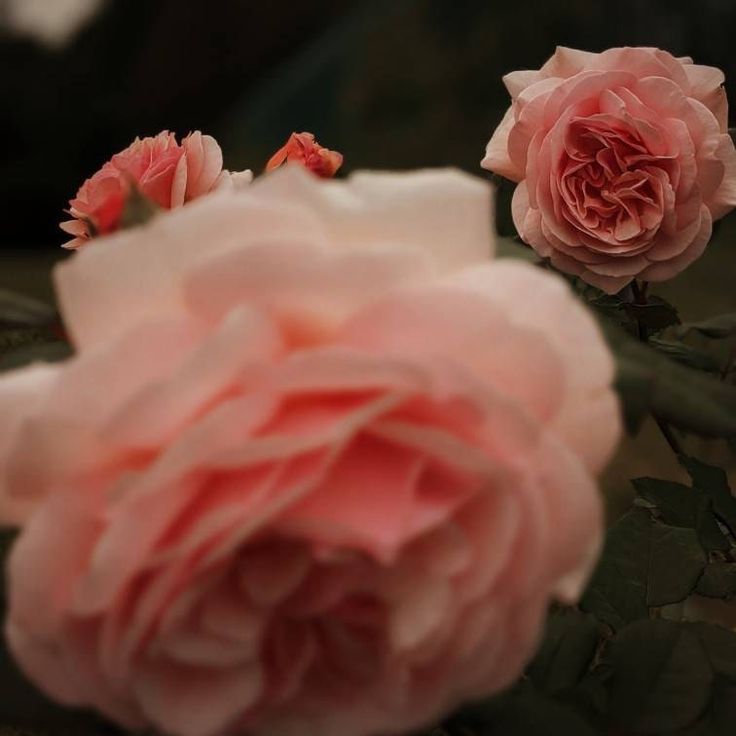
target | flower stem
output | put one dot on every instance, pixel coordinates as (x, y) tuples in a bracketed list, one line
[(640, 297), (669, 435)]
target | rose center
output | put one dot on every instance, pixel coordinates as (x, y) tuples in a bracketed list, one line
[(612, 187)]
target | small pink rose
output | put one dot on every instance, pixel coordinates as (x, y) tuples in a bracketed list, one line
[(317, 470), (164, 171), (623, 161), (303, 149)]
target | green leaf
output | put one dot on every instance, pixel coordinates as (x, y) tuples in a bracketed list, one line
[(610, 307), (676, 563), (676, 503), (634, 386), (679, 505), (679, 395), (720, 646), (570, 642), (714, 482), (617, 592), (716, 328), (720, 716), (526, 712), (644, 564), (711, 535), (718, 580), (655, 315), (542, 717), (705, 476), (685, 354), (662, 677), (138, 209)]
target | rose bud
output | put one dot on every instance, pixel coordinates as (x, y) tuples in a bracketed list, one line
[(165, 172), (302, 148)]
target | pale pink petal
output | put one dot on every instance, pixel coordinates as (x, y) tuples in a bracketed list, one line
[(497, 154), (473, 331), (667, 269), (566, 62), (554, 314), (204, 164), (706, 85), (21, 392), (197, 701), (442, 212), (110, 274)]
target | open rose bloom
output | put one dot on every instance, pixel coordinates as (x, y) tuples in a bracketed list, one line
[(317, 469), (164, 171), (623, 161)]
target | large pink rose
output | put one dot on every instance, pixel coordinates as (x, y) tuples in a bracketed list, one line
[(167, 173), (317, 469), (623, 161)]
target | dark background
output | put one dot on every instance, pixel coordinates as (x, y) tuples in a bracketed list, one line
[(390, 83)]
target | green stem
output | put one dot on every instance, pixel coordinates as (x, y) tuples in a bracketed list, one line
[(640, 297), (669, 435)]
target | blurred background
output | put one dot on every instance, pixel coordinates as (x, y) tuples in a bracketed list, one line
[(390, 83)]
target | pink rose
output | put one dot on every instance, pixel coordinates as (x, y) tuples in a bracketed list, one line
[(167, 173), (318, 469), (623, 161), (303, 149)]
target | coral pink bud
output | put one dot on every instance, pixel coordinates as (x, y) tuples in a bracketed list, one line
[(302, 148), (166, 172)]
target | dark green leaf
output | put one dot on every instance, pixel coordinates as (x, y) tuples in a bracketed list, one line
[(713, 482), (720, 717), (679, 505), (524, 714), (138, 209), (634, 382), (705, 476), (655, 315), (617, 593), (718, 580), (676, 503), (644, 564), (716, 328), (682, 397), (662, 677), (570, 642), (685, 354), (676, 563), (711, 534), (720, 646)]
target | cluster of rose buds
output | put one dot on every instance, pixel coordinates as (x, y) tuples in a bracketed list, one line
[(170, 174)]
